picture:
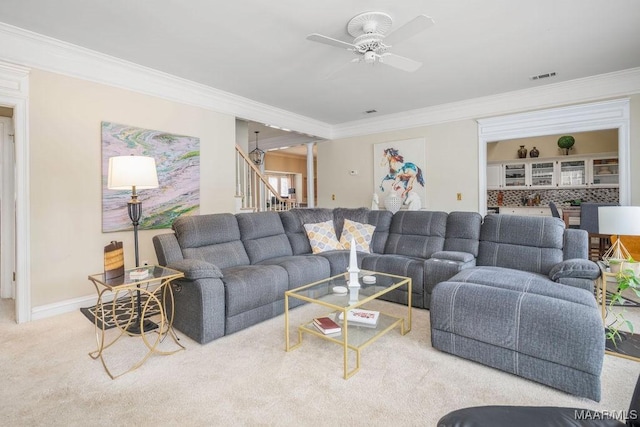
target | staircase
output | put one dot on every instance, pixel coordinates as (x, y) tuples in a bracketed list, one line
[(253, 191)]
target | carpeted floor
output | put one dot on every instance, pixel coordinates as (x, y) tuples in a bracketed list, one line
[(248, 379)]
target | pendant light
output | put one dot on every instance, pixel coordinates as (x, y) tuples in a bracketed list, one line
[(257, 155)]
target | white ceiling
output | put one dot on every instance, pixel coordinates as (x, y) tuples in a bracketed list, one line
[(258, 50)]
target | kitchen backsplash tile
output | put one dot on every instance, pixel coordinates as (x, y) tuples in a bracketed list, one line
[(558, 196)]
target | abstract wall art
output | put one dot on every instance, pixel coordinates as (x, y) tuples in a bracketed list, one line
[(398, 167), (178, 165)]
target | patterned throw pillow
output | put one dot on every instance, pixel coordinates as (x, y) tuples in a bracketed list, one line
[(362, 233), (322, 237)]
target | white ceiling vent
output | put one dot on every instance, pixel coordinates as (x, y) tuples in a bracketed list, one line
[(543, 76)]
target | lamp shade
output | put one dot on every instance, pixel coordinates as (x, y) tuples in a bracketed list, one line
[(619, 220), (129, 171)]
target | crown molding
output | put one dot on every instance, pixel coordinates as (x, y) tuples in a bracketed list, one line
[(34, 50), (594, 88)]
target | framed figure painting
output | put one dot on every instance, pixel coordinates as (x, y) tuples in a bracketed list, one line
[(398, 173)]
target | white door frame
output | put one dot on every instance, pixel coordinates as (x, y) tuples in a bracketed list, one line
[(14, 93), (7, 212), (576, 118)]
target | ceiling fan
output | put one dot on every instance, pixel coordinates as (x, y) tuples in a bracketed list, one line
[(371, 41)]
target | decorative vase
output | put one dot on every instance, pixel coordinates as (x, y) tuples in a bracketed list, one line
[(522, 152), (534, 152), (392, 202)]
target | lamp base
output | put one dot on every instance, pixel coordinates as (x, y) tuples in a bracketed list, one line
[(147, 326), (616, 251)]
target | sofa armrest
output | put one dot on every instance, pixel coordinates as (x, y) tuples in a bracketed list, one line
[(195, 269), (444, 265), (576, 268), (167, 248), (453, 256)]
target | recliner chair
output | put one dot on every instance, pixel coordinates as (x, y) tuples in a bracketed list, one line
[(537, 416)]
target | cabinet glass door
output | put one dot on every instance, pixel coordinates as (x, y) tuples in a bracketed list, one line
[(514, 175), (573, 172), (542, 174), (605, 171)]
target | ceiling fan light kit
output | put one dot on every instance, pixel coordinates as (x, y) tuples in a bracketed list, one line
[(369, 30)]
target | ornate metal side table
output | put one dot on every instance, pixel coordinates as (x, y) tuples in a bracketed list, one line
[(122, 315)]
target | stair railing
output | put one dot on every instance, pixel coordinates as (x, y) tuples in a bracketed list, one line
[(253, 191)]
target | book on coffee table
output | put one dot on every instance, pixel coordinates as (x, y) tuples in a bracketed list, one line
[(361, 316), (326, 325)]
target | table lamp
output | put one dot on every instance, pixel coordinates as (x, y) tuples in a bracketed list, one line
[(135, 173), (619, 221)]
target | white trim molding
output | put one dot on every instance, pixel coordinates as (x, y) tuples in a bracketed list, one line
[(603, 86), (14, 93), (614, 114), (37, 51)]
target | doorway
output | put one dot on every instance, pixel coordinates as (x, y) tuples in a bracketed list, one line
[(576, 118), (7, 205)]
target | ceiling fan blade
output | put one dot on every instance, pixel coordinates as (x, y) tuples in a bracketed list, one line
[(410, 29), (315, 37), (400, 62), (338, 70)]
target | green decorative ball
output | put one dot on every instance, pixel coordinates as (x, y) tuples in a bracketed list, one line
[(566, 141)]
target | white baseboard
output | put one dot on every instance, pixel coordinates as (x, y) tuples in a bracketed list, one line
[(67, 306)]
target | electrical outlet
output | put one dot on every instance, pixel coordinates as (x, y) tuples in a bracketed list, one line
[(333, 197), (459, 196)]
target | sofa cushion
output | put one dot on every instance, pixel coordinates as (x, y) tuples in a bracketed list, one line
[(401, 266), (251, 286), (322, 237), (523, 281), (354, 214), (212, 238), (360, 233), (302, 269), (263, 236), (293, 223), (382, 222), (463, 232), (521, 243), (416, 233)]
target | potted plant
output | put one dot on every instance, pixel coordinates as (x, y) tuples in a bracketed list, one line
[(626, 278), (566, 143), (615, 265)]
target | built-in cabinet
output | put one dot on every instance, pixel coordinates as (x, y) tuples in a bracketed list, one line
[(568, 171)]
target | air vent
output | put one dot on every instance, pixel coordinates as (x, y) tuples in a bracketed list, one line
[(371, 111), (543, 76)]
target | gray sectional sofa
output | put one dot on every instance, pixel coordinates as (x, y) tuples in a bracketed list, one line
[(515, 293)]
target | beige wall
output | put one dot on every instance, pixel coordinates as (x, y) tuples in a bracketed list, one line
[(65, 176), (602, 141), (452, 163), (451, 167), (282, 162), (278, 162)]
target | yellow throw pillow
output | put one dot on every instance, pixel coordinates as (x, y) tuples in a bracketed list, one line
[(322, 237), (362, 233)]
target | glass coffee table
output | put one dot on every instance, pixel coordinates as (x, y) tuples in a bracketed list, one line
[(353, 336)]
